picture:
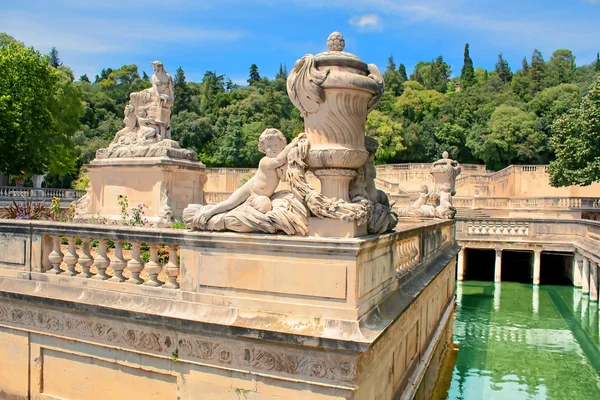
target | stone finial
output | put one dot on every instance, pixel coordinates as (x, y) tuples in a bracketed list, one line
[(445, 155), (336, 42)]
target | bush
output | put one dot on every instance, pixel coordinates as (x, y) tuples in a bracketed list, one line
[(25, 210)]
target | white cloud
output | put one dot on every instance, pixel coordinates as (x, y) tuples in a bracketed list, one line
[(367, 22)]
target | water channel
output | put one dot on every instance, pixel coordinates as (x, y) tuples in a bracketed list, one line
[(519, 341)]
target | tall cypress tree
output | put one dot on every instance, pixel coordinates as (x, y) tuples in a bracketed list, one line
[(537, 72), (183, 96), (282, 73), (402, 73), (503, 70), (598, 62), (525, 65), (391, 78), (254, 75), (54, 60), (467, 74)]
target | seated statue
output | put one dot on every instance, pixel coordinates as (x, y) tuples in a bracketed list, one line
[(375, 195), (253, 204), (147, 131)]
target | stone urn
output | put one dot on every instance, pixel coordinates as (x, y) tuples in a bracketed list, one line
[(335, 91), (445, 170)]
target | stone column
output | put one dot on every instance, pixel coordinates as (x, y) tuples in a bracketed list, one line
[(585, 276), (577, 270), (460, 270), (537, 261), (593, 281), (498, 266)]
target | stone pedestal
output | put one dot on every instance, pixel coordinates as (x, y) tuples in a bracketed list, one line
[(335, 182), (166, 186), (327, 227)]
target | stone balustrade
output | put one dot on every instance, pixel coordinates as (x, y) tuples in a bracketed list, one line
[(547, 203), (387, 186), (62, 254), (12, 192), (215, 197)]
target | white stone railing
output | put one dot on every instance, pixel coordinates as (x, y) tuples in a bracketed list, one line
[(545, 203), (81, 251), (427, 166), (10, 192)]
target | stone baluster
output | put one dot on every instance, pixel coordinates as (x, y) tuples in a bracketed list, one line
[(71, 257), (119, 264), (85, 260), (135, 265), (498, 266), (101, 261), (56, 256), (172, 268), (153, 267)]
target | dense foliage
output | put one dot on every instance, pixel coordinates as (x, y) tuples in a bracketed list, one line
[(496, 117), (40, 110)]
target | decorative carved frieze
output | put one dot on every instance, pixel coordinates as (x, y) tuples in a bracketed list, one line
[(221, 352)]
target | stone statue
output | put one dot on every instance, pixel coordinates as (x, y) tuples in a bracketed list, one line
[(147, 131), (334, 91), (438, 202), (256, 193)]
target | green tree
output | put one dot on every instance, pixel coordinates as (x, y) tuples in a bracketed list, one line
[(6, 39), (597, 62), (415, 105), (282, 72), (254, 75), (509, 138), (467, 73), (84, 78), (561, 67), (54, 59), (537, 73), (391, 77), (576, 142), (402, 73), (503, 70), (183, 95), (388, 133), (39, 111)]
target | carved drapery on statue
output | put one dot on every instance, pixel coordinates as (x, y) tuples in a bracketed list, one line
[(436, 203), (147, 131), (334, 91)]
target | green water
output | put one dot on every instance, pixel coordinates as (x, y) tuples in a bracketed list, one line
[(517, 341)]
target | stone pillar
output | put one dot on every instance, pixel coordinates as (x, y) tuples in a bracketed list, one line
[(537, 261), (460, 270), (585, 276), (593, 281), (577, 270), (498, 266)]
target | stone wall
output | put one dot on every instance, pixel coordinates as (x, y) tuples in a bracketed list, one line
[(250, 316)]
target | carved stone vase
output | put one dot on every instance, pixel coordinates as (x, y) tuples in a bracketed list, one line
[(335, 91), (445, 170)]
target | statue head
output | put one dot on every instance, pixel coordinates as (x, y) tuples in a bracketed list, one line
[(157, 65), (424, 189), (371, 144), (271, 141)]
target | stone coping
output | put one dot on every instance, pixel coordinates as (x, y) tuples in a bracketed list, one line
[(145, 162)]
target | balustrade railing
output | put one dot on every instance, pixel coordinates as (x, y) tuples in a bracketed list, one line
[(548, 203), (138, 257), (10, 192)]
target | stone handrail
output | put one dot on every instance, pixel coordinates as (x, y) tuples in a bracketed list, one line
[(10, 192), (546, 203), (427, 166)]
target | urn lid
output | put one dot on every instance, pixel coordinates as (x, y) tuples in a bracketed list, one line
[(336, 56)]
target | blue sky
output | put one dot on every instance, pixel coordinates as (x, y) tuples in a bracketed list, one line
[(228, 35)]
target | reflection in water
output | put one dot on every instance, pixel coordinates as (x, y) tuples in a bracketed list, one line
[(519, 341)]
